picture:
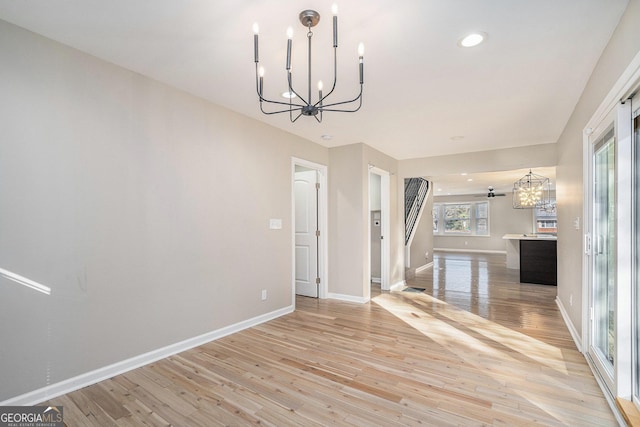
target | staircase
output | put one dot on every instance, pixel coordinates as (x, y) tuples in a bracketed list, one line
[(415, 193)]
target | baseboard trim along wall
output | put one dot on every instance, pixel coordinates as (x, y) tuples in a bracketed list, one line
[(92, 377), (572, 329), (424, 267), (398, 286), (348, 298), (478, 251)]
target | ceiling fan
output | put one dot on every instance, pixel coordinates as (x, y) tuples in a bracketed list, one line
[(491, 194)]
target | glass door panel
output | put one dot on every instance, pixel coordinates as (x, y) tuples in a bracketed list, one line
[(636, 290), (604, 257)]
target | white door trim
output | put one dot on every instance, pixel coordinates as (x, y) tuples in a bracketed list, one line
[(323, 250)]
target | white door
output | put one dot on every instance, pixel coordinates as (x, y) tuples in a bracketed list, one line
[(306, 225)]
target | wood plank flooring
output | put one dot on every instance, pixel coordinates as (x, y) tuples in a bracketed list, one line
[(475, 348)]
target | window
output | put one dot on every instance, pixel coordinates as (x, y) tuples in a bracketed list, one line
[(434, 214), (464, 219), (482, 219), (545, 219), (457, 218)]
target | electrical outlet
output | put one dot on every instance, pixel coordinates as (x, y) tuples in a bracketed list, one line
[(264, 294)]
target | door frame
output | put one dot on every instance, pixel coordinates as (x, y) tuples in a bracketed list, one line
[(613, 105), (385, 209), (323, 247)]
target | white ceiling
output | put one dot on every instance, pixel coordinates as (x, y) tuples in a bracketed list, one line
[(421, 89)]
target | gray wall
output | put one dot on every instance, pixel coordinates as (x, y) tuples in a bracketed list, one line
[(503, 219), (621, 49), (145, 209)]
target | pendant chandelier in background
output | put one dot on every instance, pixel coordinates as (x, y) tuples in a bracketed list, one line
[(531, 191)]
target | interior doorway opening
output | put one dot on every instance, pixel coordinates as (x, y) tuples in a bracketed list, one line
[(379, 230)]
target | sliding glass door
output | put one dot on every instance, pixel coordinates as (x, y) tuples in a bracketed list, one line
[(636, 256), (604, 256)]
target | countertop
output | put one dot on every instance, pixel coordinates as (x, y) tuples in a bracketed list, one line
[(529, 237)]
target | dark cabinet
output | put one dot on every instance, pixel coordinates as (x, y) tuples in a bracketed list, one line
[(538, 262)]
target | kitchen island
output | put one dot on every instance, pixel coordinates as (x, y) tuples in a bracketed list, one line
[(535, 255)]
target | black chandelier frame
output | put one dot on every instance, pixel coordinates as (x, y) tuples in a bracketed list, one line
[(309, 19)]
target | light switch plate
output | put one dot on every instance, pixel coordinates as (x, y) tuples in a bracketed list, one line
[(275, 223)]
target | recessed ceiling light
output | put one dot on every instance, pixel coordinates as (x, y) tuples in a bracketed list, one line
[(456, 138), (469, 179), (463, 174), (471, 40), (326, 137), (288, 95)]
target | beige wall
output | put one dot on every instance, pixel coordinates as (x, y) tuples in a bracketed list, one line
[(145, 209), (348, 219), (621, 49)]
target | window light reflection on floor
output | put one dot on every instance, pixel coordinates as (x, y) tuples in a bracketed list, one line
[(454, 329)]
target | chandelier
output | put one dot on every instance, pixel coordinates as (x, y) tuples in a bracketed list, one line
[(531, 191), (308, 106)]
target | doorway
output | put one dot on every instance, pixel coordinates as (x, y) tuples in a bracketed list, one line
[(309, 236), (610, 249), (379, 229)]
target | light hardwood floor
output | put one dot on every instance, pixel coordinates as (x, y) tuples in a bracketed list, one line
[(476, 348)]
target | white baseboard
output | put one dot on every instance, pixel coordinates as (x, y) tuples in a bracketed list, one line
[(83, 380), (398, 286), (479, 251), (376, 280), (348, 298), (572, 329), (424, 267)]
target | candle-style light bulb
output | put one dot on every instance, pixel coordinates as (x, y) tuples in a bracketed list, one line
[(256, 29), (261, 74), (289, 37), (361, 60), (334, 10), (320, 85), (320, 91)]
